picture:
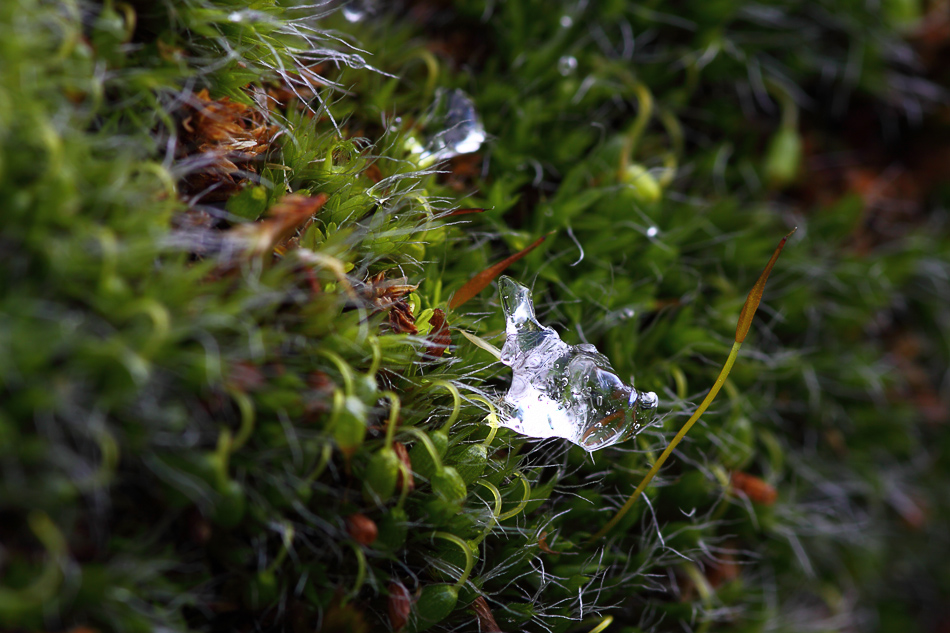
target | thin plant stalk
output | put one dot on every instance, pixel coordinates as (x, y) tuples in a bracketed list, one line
[(742, 329)]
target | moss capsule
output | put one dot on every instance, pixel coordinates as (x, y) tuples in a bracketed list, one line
[(350, 427), (434, 605), (229, 508), (470, 462), (422, 461), (783, 157), (393, 529), (382, 473), (641, 186), (449, 485)]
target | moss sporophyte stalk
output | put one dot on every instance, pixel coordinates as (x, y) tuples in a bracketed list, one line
[(561, 390)]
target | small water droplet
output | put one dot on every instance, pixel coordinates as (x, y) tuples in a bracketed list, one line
[(567, 65), (567, 21), (653, 231), (628, 313), (357, 10), (249, 15), (352, 15)]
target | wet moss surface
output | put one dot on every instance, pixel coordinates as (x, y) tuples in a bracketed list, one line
[(248, 313)]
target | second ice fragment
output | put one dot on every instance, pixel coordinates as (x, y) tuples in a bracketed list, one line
[(462, 132), (562, 390)]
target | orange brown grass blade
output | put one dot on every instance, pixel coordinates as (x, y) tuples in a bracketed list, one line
[(477, 283), (755, 295), (745, 320)]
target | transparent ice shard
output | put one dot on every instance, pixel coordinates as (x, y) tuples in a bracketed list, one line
[(561, 390), (462, 132)]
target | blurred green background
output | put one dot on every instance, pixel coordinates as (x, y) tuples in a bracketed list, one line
[(236, 393)]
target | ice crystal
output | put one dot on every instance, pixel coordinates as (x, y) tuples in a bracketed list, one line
[(462, 131), (561, 390)]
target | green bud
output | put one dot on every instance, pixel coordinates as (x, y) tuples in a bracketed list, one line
[(783, 157), (263, 590), (440, 512), (470, 462), (379, 481), (449, 485), (229, 509), (434, 605), (641, 186), (350, 427), (393, 529)]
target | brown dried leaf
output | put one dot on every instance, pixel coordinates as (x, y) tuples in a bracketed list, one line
[(389, 294), (293, 210), (228, 135), (401, 319), (383, 292), (721, 570)]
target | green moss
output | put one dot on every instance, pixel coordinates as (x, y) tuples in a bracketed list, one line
[(188, 415)]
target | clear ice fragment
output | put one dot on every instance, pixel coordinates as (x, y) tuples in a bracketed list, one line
[(561, 390), (462, 132)]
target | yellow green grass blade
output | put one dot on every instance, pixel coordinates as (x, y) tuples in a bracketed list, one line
[(745, 321)]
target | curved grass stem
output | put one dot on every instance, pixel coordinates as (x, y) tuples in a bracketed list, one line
[(491, 418), (742, 329), (607, 621), (456, 402), (673, 444), (393, 416), (430, 447), (469, 557), (524, 502)]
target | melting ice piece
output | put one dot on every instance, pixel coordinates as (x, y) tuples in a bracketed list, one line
[(561, 390), (462, 132)]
